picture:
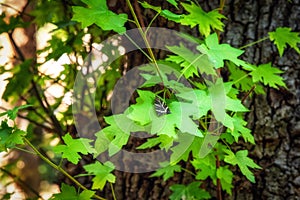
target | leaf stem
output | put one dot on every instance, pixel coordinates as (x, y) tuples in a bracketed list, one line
[(136, 45), (253, 43), (157, 14), (188, 171), (190, 65), (112, 191), (241, 78), (145, 40), (58, 168)]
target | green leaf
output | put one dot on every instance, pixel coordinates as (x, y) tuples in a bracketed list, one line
[(98, 13), (240, 130), (171, 16), (217, 53), (234, 105), (240, 158), (206, 167), (218, 99), (167, 170), (114, 136), (240, 78), (182, 115), (72, 147), (268, 75), (201, 101), (9, 136), (143, 110), (102, 173), (191, 191), (173, 2), (225, 176), (184, 147), (164, 141), (190, 62), (12, 114), (21, 74), (147, 5), (69, 193), (283, 36), (165, 13), (14, 22), (206, 21)]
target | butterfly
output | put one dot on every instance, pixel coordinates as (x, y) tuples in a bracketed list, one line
[(160, 107)]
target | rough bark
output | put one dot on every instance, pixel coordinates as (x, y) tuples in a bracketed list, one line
[(274, 118)]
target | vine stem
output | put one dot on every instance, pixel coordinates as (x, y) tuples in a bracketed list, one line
[(153, 59), (113, 191), (58, 168), (253, 43), (188, 171)]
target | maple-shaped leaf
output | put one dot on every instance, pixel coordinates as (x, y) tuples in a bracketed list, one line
[(180, 117), (143, 110), (190, 61), (166, 170), (217, 53), (164, 142), (98, 13), (186, 144), (201, 101), (283, 36), (69, 193), (206, 21), (191, 191), (268, 75), (234, 105), (240, 158), (102, 173), (206, 167), (183, 115), (240, 130), (9, 136), (164, 125), (72, 147), (225, 175), (114, 136)]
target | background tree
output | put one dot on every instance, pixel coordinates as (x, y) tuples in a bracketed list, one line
[(274, 118)]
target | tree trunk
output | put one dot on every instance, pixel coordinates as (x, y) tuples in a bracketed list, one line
[(274, 118)]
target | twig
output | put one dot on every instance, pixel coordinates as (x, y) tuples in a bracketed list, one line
[(21, 182), (138, 13), (219, 187), (58, 168), (149, 49), (15, 9), (16, 48)]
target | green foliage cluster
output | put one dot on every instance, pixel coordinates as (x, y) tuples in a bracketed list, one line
[(191, 109)]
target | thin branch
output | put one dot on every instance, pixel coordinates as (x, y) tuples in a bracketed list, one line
[(149, 49), (253, 43), (58, 168), (49, 129), (47, 109), (20, 182), (35, 111), (138, 13), (13, 8), (219, 187), (15, 46)]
